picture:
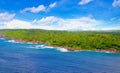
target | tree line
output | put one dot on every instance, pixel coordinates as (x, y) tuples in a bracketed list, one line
[(79, 40)]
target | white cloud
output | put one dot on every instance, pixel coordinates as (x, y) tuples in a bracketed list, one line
[(35, 9), (109, 28), (83, 23), (54, 23), (83, 2), (40, 8), (6, 16), (52, 5), (116, 3), (15, 24), (20, 24), (47, 20)]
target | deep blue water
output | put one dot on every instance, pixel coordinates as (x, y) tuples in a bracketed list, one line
[(21, 58)]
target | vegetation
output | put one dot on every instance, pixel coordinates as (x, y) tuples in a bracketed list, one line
[(89, 40)]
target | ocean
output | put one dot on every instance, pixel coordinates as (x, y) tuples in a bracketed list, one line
[(16, 57)]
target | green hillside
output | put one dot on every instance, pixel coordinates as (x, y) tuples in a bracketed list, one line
[(84, 40)]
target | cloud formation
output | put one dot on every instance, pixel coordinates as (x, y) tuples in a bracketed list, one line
[(52, 5), (116, 3), (54, 23), (83, 23), (17, 24), (34, 9), (83, 2), (40, 8), (5, 16)]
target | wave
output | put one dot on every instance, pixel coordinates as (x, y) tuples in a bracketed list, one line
[(62, 49), (48, 47), (13, 41), (37, 46), (30, 43), (2, 38), (41, 46)]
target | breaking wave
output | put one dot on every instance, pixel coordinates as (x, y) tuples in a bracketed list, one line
[(40, 46), (48, 47), (13, 41), (62, 49)]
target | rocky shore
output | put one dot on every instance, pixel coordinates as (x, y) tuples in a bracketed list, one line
[(110, 50)]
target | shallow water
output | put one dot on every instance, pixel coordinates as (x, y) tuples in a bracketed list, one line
[(25, 58)]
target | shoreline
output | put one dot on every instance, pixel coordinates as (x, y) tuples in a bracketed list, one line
[(110, 50)]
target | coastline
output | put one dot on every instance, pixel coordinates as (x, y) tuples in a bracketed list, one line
[(65, 48)]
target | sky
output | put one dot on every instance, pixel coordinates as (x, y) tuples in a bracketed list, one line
[(60, 14)]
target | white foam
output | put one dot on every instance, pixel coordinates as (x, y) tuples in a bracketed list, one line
[(48, 47), (37, 46), (2, 38), (62, 49), (13, 41), (108, 52), (31, 43), (40, 46)]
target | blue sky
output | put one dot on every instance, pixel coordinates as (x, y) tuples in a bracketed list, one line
[(60, 14)]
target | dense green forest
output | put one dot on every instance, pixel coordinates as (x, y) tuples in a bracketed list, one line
[(84, 40)]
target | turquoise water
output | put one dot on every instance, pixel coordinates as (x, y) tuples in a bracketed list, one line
[(25, 58)]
